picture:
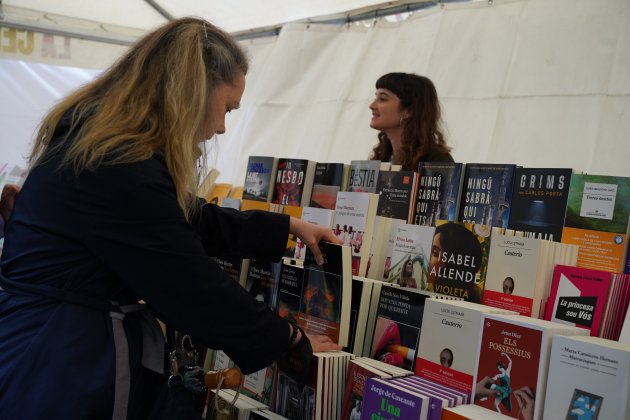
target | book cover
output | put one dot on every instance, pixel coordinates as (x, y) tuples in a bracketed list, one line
[(512, 279), (513, 359), (324, 196), (260, 385), (486, 194), (459, 258), (259, 178), (597, 215), (409, 263), (317, 216), (444, 351), (578, 297), (357, 375), (294, 182), (395, 190), (316, 297), (386, 400), (438, 192), (509, 359), (354, 223), (397, 327), (363, 175), (588, 379), (294, 402), (327, 293), (262, 281), (539, 202)]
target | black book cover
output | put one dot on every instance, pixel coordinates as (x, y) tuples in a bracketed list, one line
[(539, 202)]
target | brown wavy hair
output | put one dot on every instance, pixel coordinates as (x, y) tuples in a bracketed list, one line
[(422, 131), (152, 101)]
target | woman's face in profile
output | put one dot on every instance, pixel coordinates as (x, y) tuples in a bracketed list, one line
[(386, 110)]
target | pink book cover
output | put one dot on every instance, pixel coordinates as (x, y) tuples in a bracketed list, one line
[(578, 297)]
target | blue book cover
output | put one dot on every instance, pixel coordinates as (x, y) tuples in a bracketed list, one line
[(437, 194), (487, 194)]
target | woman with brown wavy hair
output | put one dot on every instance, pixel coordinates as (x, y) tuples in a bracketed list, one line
[(107, 233), (406, 111)]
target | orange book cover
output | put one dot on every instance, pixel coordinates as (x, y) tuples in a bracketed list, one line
[(598, 250)]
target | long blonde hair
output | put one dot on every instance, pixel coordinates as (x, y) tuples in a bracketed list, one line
[(152, 101)]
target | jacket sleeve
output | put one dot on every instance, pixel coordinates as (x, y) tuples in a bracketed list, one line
[(140, 233), (227, 232)]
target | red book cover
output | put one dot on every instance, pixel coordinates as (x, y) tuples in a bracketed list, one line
[(578, 297), (509, 360)]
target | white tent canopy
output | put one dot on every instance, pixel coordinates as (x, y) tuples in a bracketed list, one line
[(531, 82)]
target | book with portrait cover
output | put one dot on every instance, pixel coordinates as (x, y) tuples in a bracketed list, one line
[(396, 191), (539, 202), (354, 224), (597, 215), (459, 259), (486, 194), (316, 297), (294, 182), (363, 175), (384, 399), (515, 277), (259, 178), (438, 192), (409, 264), (578, 297), (444, 351), (589, 378), (513, 357)]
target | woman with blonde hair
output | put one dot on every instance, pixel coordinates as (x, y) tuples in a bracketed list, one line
[(406, 112), (107, 220)]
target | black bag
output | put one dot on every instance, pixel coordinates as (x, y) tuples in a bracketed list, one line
[(184, 394)]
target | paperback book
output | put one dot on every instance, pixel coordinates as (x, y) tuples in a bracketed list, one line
[(294, 182), (409, 263), (597, 215), (395, 190), (438, 192), (397, 327), (259, 178), (513, 357), (354, 220), (444, 351), (578, 297), (363, 175), (539, 202), (318, 297), (459, 258), (486, 194), (589, 378)]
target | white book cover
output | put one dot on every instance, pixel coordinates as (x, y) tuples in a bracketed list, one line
[(444, 351), (316, 216), (355, 213), (588, 379), (512, 273), (410, 256)]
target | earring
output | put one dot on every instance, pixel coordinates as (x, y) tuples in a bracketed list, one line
[(401, 120)]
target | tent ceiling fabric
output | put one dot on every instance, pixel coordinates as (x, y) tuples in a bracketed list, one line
[(233, 16)]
